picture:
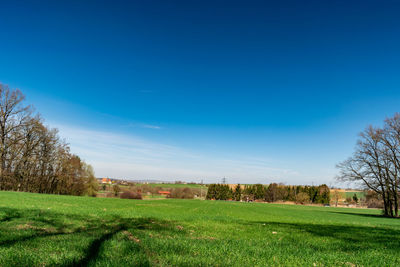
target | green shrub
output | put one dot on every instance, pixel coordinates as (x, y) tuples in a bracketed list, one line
[(130, 195)]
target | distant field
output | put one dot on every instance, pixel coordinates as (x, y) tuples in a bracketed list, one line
[(164, 187), (48, 230), (178, 185), (154, 197), (351, 194), (345, 194)]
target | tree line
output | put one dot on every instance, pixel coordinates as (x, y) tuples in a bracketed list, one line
[(375, 163), (33, 158), (137, 191), (271, 193)]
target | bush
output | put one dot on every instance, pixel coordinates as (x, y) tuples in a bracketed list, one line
[(92, 193), (375, 204), (197, 192), (130, 195), (146, 189), (182, 193), (116, 190), (373, 200), (302, 198), (349, 200)]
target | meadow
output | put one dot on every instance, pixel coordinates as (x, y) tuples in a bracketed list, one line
[(53, 230), (359, 194)]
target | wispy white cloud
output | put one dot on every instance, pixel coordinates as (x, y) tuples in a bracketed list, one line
[(143, 125), (149, 126), (133, 157)]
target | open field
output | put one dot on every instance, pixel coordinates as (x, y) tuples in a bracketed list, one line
[(43, 230), (147, 190), (178, 185), (360, 194), (345, 193)]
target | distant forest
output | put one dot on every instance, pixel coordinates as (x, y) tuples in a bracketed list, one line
[(271, 193)]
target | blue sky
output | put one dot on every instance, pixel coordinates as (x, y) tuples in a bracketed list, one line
[(257, 91)]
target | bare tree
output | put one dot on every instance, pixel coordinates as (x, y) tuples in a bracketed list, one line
[(32, 156), (376, 163), (336, 196), (13, 116)]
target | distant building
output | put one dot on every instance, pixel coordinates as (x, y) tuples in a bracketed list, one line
[(106, 181), (164, 193)]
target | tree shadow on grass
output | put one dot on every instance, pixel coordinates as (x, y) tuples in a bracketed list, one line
[(120, 225), (351, 238), (9, 214), (362, 214), (94, 249), (19, 226), (34, 224)]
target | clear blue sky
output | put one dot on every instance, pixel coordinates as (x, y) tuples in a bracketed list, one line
[(257, 91)]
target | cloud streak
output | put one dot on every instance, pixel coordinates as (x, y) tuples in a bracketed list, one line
[(133, 157), (149, 126), (145, 126)]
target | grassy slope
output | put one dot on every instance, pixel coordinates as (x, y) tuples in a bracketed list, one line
[(64, 230)]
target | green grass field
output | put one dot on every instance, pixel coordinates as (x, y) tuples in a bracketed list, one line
[(351, 194), (48, 230)]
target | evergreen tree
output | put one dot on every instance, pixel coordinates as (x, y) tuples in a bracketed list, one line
[(237, 193), (355, 198), (219, 192), (259, 191), (211, 191)]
